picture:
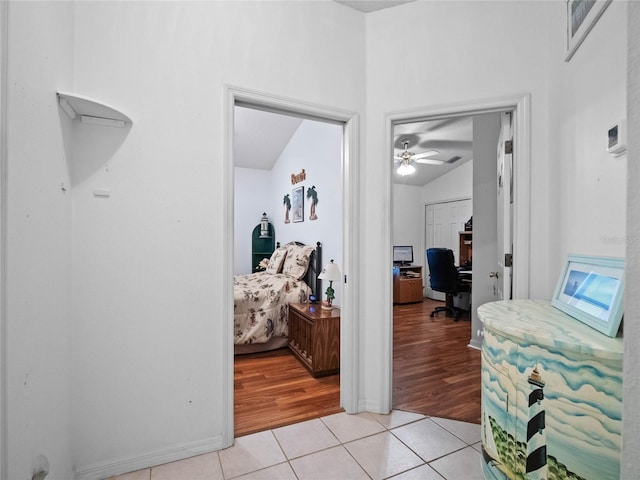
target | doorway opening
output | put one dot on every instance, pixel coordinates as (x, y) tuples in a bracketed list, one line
[(298, 177), (406, 313)]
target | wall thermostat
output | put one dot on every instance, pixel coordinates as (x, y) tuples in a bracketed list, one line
[(617, 134)]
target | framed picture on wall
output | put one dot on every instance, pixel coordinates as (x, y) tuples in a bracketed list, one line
[(582, 15), (297, 205), (590, 289)]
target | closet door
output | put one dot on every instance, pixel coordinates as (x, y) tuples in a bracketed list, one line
[(443, 222)]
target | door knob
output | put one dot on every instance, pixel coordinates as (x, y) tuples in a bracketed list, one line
[(494, 275)]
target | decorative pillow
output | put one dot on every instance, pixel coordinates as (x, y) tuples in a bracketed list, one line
[(276, 260), (297, 260)]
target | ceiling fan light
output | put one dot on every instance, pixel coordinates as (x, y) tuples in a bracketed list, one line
[(406, 169)]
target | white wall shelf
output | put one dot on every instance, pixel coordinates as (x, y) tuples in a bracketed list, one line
[(92, 111)]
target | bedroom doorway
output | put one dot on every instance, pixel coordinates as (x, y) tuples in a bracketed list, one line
[(298, 171)]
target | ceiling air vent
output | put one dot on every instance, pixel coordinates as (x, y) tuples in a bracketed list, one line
[(454, 159)]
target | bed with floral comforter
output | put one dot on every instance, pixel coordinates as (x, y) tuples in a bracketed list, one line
[(261, 300), (261, 305)]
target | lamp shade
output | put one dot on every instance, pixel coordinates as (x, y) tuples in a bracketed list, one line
[(406, 169), (330, 272)]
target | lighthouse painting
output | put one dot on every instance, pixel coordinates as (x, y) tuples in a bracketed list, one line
[(536, 468), (548, 414)]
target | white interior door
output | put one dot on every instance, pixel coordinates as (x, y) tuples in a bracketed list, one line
[(503, 273), (443, 222)]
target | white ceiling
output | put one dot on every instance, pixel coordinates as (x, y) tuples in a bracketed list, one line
[(451, 137), (367, 6), (261, 136)]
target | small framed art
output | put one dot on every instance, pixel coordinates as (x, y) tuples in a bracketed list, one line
[(591, 289), (297, 205), (582, 15)]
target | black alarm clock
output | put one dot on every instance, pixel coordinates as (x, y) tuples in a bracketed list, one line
[(313, 299)]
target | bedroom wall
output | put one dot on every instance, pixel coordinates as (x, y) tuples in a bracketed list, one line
[(252, 189), (455, 185), (486, 130), (38, 225), (409, 206), (148, 282), (408, 219), (316, 147)]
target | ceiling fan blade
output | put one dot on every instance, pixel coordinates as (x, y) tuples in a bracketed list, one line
[(430, 161), (428, 153)]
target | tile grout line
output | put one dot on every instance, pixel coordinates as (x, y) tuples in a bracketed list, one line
[(386, 429), (466, 445)]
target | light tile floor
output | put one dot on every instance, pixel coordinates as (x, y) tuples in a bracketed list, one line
[(402, 446)]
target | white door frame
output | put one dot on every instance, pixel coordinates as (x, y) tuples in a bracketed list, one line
[(349, 323), (521, 107)]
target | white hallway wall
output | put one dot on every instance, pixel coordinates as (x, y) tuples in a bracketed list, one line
[(148, 327), (587, 186), (38, 245), (631, 405)]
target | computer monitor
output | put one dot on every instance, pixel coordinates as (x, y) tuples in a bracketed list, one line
[(403, 254)]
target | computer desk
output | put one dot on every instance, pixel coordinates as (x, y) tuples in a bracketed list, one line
[(466, 275)]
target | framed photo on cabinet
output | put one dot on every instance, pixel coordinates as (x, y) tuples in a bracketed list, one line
[(591, 289)]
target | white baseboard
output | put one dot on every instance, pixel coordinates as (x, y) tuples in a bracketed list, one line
[(150, 459)]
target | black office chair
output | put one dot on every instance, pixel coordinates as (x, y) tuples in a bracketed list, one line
[(444, 277)]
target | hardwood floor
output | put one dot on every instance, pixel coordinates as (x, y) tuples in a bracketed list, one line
[(273, 389), (434, 373)]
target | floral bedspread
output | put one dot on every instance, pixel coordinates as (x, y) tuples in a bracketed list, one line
[(261, 305)]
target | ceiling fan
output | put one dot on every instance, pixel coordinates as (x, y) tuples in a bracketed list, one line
[(407, 159)]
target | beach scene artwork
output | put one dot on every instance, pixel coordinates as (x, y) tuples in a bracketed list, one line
[(549, 413)]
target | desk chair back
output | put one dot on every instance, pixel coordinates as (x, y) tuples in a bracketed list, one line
[(443, 274)]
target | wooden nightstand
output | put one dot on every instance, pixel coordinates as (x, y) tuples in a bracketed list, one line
[(314, 337)]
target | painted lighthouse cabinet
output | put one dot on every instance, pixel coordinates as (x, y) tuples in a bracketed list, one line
[(551, 395)]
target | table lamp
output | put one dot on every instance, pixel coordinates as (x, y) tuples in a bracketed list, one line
[(330, 272)]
